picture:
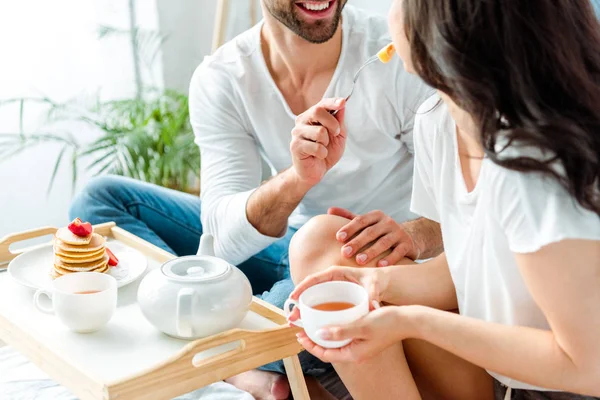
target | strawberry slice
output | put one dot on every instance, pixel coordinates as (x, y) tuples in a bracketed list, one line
[(113, 261), (80, 228)]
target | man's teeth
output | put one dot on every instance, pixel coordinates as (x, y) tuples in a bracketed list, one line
[(316, 6)]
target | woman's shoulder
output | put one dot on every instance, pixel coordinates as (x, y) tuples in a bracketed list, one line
[(433, 123), (432, 110), (525, 184), (535, 210)]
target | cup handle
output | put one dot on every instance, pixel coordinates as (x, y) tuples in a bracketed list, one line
[(38, 304), (286, 310), (184, 313)]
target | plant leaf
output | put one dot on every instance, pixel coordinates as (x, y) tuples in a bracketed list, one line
[(106, 167), (102, 158), (55, 170), (74, 165), (110, 147), (21, 108), (108, 30), (13, 147)]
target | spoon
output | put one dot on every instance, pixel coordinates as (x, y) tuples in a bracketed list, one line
[(384, 55)]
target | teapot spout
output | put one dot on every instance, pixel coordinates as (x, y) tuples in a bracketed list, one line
[(206, 245)]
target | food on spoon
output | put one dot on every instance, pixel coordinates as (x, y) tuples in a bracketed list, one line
[(385, 55)]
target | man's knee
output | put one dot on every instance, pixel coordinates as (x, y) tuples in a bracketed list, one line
[(315, 247), (100, 189)]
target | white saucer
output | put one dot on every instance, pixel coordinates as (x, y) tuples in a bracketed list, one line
[(33, 268)]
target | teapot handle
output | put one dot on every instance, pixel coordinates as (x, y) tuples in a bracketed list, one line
[(185, 328)]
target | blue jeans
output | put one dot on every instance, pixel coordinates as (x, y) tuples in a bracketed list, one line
[(171, 221)]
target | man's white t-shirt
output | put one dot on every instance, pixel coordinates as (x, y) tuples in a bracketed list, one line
[(239, 114), (508, 212)]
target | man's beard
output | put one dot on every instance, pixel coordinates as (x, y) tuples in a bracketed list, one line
[(318, 32)]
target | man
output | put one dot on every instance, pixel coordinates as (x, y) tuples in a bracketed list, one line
[(244, 102)]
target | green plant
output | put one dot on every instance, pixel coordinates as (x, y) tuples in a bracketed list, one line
[(147, 137)]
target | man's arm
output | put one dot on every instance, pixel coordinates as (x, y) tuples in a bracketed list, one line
[(270, 206), (426, 236), (244, 216), (231, 164)]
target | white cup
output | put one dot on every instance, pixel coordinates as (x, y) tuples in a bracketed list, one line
[(312, 320), (81, 312)]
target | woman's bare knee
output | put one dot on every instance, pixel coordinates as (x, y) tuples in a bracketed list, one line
[(315, 247)]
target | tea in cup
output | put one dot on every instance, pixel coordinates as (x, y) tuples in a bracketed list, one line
[(83, 301), (329, 303)]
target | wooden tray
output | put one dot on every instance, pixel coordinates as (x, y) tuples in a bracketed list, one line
[(130, 359)]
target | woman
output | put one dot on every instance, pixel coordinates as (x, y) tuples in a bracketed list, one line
[(508, 161)]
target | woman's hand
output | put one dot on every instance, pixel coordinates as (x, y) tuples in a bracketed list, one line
[(370, 335), (372, 279), (379, 232)]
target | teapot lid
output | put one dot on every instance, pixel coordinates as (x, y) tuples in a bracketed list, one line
[(195, 268)]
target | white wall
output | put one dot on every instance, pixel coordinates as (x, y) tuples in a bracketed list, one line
[(379, 6), (50, 48), (188, 26)]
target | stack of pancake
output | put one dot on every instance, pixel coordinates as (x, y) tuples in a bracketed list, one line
[(74, 253)]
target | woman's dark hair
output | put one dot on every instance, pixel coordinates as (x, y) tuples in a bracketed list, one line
[(528, 71)]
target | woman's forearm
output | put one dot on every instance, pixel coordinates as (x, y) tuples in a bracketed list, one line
[(428, 284), (525, 354)]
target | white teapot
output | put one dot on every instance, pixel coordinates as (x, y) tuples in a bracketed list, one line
[(195, 296)]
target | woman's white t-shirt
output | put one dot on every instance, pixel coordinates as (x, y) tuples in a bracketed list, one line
[(508, 212)]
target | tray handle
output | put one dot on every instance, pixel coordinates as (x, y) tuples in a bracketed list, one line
[(6, 255), (252, 343), (256, 348), (223, 356)]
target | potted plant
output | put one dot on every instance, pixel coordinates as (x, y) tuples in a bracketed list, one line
[(147, 137)]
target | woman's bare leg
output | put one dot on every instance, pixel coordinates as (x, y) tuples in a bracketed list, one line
[(442, 375), (314, 248), (409, 370)]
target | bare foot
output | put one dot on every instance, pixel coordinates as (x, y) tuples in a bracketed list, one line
[(262, 385)]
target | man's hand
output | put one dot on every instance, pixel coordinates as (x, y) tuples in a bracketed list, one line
[(318, 140), (377, 231)]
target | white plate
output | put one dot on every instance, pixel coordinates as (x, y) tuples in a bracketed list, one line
[(32, 268)]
